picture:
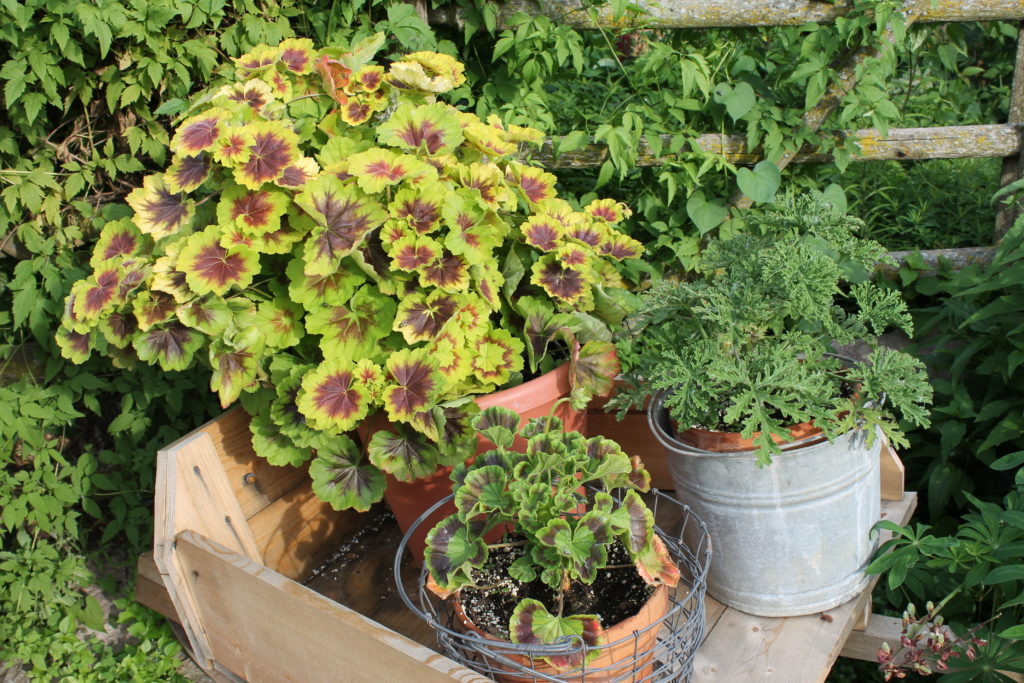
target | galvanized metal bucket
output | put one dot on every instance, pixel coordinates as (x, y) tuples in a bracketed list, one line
[(792, 538)]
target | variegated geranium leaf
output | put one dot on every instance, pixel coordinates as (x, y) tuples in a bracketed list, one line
[(543, 232), (298, 174), (377, 169), (171, 347), (297, 55), (428, 128), (420, 206), (274, 148), (608, 210), (655, 565), (187, 173), (453, 549), (452, 354), (540, 325), (152, 308), (158, 211), (333, 398), (199, 133), (412, 252), (621, 247), (498, 424), (270, 443), (449, 272), (403, 453), (536, 184), (249, 98), (413, 384), (532, 624), (568, 286), (457, 439), (316, 291), (483, 491), (334, 76), (280, 321), (633, 522), (209, 314), (499, 354), (209, 267), (75, 346), (258, 60), (341, 479), (488, 281), (118, 238), (609, 463), (592, 371), (354, 331), (428, 72), (485, 183), (344, 216), (255, 213), (234, 146), (420, 317), (235, 365), (99, 293), (118, 328)]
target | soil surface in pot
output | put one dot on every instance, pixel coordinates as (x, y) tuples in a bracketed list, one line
[(615, 595)]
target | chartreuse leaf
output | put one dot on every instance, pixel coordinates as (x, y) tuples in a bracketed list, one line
[(235, 365), (118, 238), (414, 383), (452, 551), (172, 347), (159, 211), (353, 331), (316, 291), (429, 128), (255, 213), (209, 314), (344, 215), (280, 322), (274, 148), (404, 453), (377, 169), (187, 173), (419, 207), (429, 72), (211, 268), (199, 133), (340, 479), (74, 346), (497, 424), (334, 397), (532, 624), (420, 317), (568, 286), (499, 354)]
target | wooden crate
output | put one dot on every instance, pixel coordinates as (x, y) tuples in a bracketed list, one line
[(236, 539)]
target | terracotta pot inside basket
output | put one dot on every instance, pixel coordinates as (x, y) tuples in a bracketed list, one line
[(729, 442), (408, 500), (631, 659)]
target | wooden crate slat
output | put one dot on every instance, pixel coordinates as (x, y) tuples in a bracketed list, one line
[(743, 647), (734, 13), (149, 587), (244, 605), (903, 144)]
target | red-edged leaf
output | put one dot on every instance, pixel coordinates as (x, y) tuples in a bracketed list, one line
[(655, 565), (333, 398), (209, 267), (158, 211), (335, 76), (532, 624)]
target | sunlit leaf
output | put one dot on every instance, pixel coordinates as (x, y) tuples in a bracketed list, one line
[(608, 210), (198, 133), (172, 347), (449, 272), (209, 267), (403, 453), (412, 252), (488, 281), (354, 330), (274, 148), (158, 211), (429, 128), (427, 72), (452, 355), (420, 207), (532, 624), (234, 146), (255, 213), (621, 247), (209, 314), (344, 216), (152, 308), (297, 55), (235, 366), (535, 183), (335, 76), (118, 238), (567, 285), (187, 173), (261, 58), (655, 565), (74, 346), (332, 397), (420, 317), (299, 173), (376, 169), (280, 321), (542, 232), (485, 184)]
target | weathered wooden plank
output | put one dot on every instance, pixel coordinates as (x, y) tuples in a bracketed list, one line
[(150, 589), (1012, 167), (892, 471), (244, 606), (742, 647), (733, 13), (957, 258), (865, 644), (902, 144)]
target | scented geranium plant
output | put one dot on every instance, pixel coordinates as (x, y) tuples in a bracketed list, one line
[(748, 344), (333, 240), (568, 504)]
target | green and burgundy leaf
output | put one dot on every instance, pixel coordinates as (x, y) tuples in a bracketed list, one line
[(593, 368), (118, 328), (536, 184), (158, 211), (274, 148), (574, 256), (516, 133), (488, 281), (591, 233), (655, 564), (281, 323), (209, 267), (608, 210), (473, 318), (404, 454), (498, 425), (209, 314), (118, 238), (256, 213), (540, 325), (566, 285), (354, 331), (482, 491), (377, 169), (316, 291), (280, 84), (249, 99), (98, 293), (153, 308), (420, 317), (233, 236), (499, 354), (429, 72), (235, 367), (344, 216), (285, 412), (297, 55), (357, 110), (452, 550), (588, 547), (413, 252), (340, 479), (280, 241), (542, 232), (449, 272), (199, 133), (186, 173), (457, 437), (491, 141), (299, 173), (261, 58), (532, 624), (486, 183), (234, 146), (75, 346), (621, 247), (419, 207), (637, 523), (332, 397), (168, 278), (371, 376), (452, 356), (413, 384), (172, 347), (430, 128), (368, 79)]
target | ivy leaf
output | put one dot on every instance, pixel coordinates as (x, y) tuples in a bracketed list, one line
[(761, 183), (704, 214), (339, 479)]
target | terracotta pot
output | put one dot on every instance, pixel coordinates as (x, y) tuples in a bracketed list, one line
[(731, 442), (627, 657), (535, 398)]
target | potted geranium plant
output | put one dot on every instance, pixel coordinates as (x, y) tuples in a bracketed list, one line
[(550, 543), (334, 241), (761, 417)]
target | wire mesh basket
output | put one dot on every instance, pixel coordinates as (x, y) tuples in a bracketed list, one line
[(664, 650)]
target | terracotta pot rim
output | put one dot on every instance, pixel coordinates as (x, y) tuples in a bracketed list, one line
[(553, 382), (728, 442)]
